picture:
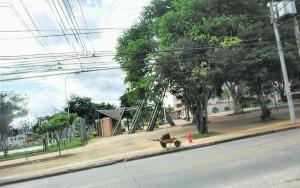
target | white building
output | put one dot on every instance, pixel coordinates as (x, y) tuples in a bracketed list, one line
[(215, 105), (16, 141)]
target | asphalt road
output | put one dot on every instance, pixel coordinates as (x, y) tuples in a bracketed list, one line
[(266, 161)]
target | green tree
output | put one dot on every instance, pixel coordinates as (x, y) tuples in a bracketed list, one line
[(201, 45), (42, 131), (134, 48), (12, 106), (57, 124), (239, 32), (85, 108)]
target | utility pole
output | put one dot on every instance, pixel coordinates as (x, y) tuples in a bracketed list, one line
[(67, 101), (66, 96), (165, 114), (283, 66), (297, 32)]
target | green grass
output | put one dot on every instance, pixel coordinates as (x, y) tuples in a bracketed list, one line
[(75, 142), (199, 136)]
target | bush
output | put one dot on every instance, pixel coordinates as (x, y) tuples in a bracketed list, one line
[(215, 110), (94, 134), (226, 108)]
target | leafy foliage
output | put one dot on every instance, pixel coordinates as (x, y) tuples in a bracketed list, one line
[(85, 108), (11, 106), (203, 44)]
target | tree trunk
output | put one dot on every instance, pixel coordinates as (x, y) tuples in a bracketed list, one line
[(44, 143), (200, 116), (280, 89), (204, 102), (194, 118), (197, 118), (188, 118), (3, 140), (57, 139), (59, 148), (265, 111), (235, 94), (237, 107)]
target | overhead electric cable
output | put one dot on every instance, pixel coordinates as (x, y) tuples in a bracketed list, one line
[(71, 24), (62, 26), (68, 29), (35, 26), (13, 9), (86, 26)]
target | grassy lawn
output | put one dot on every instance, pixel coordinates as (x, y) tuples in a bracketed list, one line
[(199, 136), (75, 142)]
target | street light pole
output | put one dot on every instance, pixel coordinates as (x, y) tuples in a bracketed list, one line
[(67, 101), (66, 96), (283, 66)]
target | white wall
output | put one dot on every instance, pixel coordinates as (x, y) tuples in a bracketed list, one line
[(16, 141)]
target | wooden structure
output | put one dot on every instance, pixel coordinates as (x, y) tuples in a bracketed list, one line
[(109, 122)]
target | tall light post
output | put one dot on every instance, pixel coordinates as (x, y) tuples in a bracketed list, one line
[(66, 96), (274, 17)]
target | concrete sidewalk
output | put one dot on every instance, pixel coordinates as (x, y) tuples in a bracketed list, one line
[(105, 151)]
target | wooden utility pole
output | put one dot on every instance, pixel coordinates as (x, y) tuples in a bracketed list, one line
[(297, 32)]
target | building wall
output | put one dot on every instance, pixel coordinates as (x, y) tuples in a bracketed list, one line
[(106, 126), (16, 141), (221, 106), (213, 104)]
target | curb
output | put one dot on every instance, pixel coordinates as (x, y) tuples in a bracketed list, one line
[(115, 161)]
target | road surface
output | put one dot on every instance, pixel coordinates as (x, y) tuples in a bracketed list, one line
[(266, 161)]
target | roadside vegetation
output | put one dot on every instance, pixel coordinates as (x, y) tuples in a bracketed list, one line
[(74, 143), (207, 48)]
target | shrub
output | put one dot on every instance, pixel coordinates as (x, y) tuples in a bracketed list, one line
[(215, 110), (94, 134)]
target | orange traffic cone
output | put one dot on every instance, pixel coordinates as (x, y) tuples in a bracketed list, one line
[(190, 138)]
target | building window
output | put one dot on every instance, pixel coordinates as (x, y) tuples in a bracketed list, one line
[(15, 138)]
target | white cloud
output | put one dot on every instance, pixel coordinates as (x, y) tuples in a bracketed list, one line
[(44, 102), (49, 92)]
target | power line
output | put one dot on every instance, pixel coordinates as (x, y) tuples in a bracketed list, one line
[(106, 53), (71, 24), (31, 70), (46, 46), (62, 26), (32, 60), (13, 9), (57, 74), (67, 29), (168, 58), (53, 35), (84, 20)]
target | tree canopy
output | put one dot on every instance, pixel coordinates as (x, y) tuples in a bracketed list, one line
[(12, 106), (200, 45), (85, 108)]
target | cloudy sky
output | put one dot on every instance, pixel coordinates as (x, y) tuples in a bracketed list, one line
[(105, 19)]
